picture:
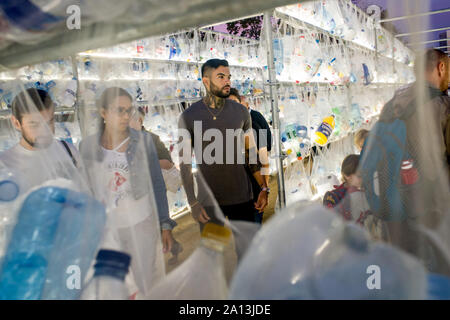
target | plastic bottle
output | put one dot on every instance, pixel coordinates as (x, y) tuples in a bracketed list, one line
[(305, 146), (278, 55), (9, 192), (324, 131), (30, 21), (70, 93), (9, 187), (338, 120), (108, 282), (202, 276), (331, 261), (356, 118), (367, 78), (175, 50), (51, 235)]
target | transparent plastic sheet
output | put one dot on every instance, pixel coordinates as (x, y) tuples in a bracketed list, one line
[(415, 213), (51, 224), (339, 85), (321, 75), (331, 261), (124, 173), (202, 275), (156, 86)]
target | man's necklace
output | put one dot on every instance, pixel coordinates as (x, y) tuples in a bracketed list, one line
[(214, 115)]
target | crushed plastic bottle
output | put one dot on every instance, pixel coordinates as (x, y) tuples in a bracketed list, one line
[(108, 282), (332, 260), (57, 229), (202, 276)]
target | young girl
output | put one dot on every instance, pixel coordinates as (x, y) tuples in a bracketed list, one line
[(360, 138), (348, 198)]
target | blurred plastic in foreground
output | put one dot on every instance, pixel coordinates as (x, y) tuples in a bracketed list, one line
[(310, 253), (202, 276)]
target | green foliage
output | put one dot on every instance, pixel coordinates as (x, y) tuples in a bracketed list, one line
[(249, 28)]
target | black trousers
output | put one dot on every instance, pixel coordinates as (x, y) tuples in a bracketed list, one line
[(236, 212)]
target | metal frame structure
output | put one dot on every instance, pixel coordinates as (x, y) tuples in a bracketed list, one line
[(421, 32), (442, 47), (273, 83), (426, 42), (429, 13), (274, 103)]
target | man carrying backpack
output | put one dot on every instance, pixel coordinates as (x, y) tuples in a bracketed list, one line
[(405, 165)]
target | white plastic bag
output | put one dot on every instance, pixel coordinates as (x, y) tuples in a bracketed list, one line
[(172, 178)]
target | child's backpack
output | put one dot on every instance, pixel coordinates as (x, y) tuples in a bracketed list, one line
[(387, 169)]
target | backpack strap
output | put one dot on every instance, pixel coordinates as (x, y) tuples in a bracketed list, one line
[(66, 146)]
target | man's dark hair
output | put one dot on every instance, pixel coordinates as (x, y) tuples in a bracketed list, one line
[(31, 100), (235, 92), (431, 59), (213, 64)]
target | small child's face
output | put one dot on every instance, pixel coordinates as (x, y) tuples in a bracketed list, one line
[(354, 180), (360, 144)]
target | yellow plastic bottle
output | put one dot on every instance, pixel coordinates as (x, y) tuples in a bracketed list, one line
[(324, 131)]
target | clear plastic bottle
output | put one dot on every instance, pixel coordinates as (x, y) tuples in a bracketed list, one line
[(108, 282), (9, 192)]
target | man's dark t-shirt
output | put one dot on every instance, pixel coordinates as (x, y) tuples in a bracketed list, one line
[(258, 123), (228, 182)]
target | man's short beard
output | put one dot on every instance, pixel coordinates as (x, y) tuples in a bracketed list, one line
[(27, 140), (218, 93), (36, 144)]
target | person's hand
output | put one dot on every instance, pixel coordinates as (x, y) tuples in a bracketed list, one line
[(263, 201), (167, 240), (199, 213)]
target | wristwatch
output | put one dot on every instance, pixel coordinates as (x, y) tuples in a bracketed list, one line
[(266, 189)]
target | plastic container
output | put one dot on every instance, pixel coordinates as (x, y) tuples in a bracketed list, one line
[(308, 252), (57, 229), (108, 282), (202, 276), (9, 193), (325, 130)]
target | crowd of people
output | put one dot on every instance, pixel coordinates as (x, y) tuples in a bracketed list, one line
[(129, 169)]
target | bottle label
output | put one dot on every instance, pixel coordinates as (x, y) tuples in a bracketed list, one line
[(408, 172), (326, 129)]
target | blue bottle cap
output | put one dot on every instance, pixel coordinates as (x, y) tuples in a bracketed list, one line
[(9, 190), (111, 262)]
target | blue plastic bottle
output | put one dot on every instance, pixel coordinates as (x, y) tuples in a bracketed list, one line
[(108, 282), (366, 74), (278, 55), (56, 228)]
